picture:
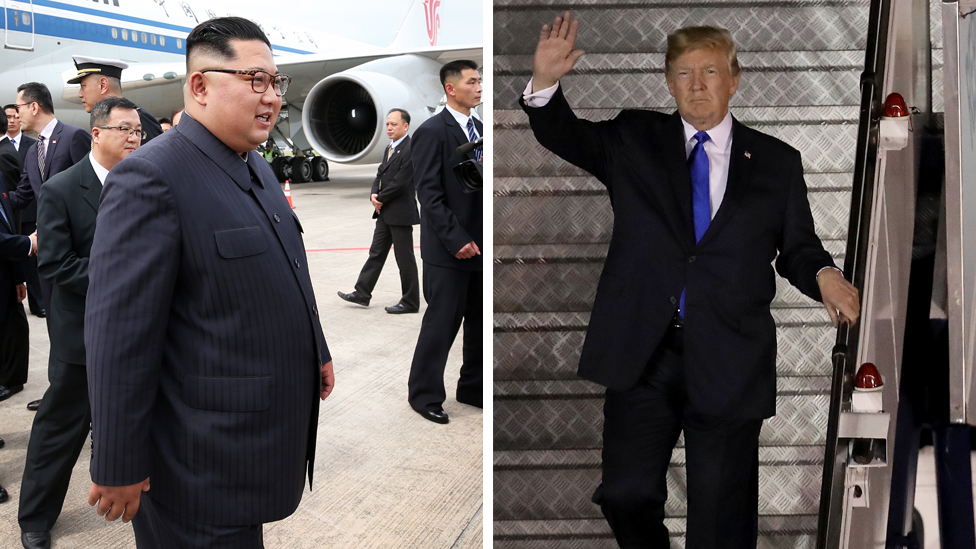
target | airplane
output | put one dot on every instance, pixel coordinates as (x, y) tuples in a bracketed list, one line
[(334, 110)]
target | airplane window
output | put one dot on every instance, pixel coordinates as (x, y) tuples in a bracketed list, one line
[(135, 36), (27, 19), (179, 44), (115, 33), (162, 40), (125, 34), (152, 39), (144, 38)]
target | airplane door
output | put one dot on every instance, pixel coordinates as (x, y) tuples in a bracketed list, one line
[(18, 25)]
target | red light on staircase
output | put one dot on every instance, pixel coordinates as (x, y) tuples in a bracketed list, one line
[(868, 378), (895, 106)]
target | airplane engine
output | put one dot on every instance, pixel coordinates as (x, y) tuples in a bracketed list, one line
[(344, 115)]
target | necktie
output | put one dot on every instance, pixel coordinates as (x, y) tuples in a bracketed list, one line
[(701, 206), (40, 155), (389, 153), (14, 142), (472, 135)]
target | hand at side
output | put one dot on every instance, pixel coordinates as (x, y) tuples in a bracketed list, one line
[(839, 296), (117, 501)]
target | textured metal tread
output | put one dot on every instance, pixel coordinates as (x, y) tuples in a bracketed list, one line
[(824, 148), (593, 253), (577, 423), (577, 321), (784, 26), (750, 116), (653, 62)]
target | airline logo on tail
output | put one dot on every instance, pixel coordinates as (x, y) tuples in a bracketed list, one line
[(433, 20)]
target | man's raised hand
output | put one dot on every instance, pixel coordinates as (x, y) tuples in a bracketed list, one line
[(556, 54)]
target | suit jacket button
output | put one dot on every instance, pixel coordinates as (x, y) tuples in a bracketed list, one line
[(691, 259), (277, 219), (674, 300)]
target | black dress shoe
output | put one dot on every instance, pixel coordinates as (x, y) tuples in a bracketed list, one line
[(355, 298), (437, 416), (2, 444), (3, 495), (34, 405), (36, 540), (7, 392), (42, 313), (399, 309)]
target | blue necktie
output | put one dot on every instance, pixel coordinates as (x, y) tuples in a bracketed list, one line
[(472, 135), (701, 205)]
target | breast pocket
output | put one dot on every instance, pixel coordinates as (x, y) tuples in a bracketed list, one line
[(235, 243)]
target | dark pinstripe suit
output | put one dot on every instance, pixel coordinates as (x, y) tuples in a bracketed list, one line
[(202, 334)]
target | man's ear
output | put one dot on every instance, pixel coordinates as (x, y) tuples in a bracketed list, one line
[(196, 85), (449, 89)]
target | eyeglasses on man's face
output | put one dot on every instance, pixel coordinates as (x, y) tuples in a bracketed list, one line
[(132, 132), (19, 105), (260, 80)]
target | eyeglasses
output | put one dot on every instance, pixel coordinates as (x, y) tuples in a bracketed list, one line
[(19, 105), (260, 80), (131, 131)]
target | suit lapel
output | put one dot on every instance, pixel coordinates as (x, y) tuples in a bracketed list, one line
[(459, 134), (93, 187), (740, 172), (216, 150), (51, 148), (7, 210), (679, 178)]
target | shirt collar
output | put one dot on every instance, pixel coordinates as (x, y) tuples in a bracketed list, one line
[(48, 130), (721, 134), (16, 137), (101, 172), (462, 120), (396, 143)]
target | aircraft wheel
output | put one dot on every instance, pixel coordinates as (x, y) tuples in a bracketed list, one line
[(320, 169), (301, 169), (277, 166)]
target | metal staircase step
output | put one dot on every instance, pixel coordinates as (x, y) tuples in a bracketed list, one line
[(568, 414), (559, 485), (643, 26)]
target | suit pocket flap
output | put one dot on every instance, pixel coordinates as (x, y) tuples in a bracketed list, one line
[(234, 243), (227, 394)]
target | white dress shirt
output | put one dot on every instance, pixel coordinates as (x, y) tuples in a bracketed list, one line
[(16, 140), (462, 120)]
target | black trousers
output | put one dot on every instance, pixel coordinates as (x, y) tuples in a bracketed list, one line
[(157, 527), (401, 236), (60, 429), (452, 296), (15, 353), (641, 427), (34, 299)]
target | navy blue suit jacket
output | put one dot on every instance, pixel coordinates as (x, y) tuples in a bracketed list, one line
[(203, 338), (67, 146), (449, 217), (730, 336)]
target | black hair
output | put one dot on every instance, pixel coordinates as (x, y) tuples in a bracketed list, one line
[(403, 114), (454, 69), (102, 111), (214, 35), (35, 92)]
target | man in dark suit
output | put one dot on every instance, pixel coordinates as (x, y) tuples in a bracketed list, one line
[(450, 246), (100, 78), (59, 147), (15, 339), (14, 248), (206, 358), (68, 205), (28, 216), (395, 212), (681, 333)]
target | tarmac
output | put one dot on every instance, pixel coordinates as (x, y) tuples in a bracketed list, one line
[(384, 476)]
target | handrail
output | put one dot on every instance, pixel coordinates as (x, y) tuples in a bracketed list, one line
[(862, 196)]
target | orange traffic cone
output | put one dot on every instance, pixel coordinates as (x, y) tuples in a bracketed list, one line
[(288, 194)]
